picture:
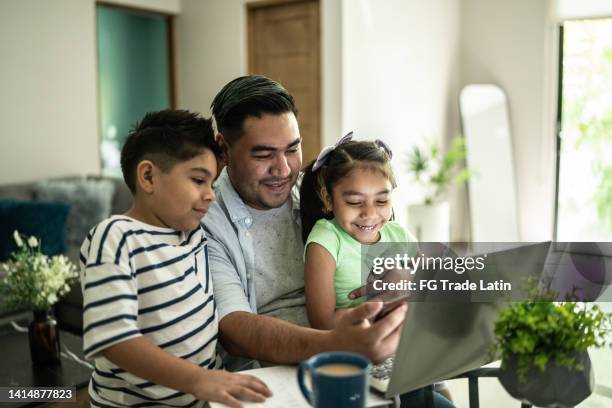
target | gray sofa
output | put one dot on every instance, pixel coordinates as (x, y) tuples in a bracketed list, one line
[(69, 311)]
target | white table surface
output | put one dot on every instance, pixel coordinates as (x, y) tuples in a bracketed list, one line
[(282, 381)]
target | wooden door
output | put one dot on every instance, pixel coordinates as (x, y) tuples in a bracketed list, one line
[(284, 45)]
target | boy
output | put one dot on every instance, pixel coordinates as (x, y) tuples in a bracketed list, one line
[(150, 321)]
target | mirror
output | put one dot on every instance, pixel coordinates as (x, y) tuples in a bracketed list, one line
[(492, 187)]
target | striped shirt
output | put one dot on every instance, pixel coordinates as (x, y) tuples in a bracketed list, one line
[(142, 280)]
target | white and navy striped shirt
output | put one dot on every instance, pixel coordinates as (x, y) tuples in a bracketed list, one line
[(142, 280)]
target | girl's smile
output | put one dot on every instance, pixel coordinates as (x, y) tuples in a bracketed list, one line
[(361, 203)]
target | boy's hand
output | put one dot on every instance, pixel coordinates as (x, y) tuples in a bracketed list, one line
[(228, 388)]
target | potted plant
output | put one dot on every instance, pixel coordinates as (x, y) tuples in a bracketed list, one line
[(434, 172), (543, 346), (37, 281)]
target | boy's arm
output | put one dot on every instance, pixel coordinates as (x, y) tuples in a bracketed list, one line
[(145, 360), (319, 271)]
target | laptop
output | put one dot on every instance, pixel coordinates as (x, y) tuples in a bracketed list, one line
[(442, 339)]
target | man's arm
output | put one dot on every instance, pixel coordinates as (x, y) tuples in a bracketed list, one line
[(274, 340)]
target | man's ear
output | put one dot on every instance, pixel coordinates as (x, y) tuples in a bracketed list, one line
[(326, 198), (220, 139), (145, 176)]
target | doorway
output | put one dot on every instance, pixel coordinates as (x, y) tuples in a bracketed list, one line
[(284, 45), (135, 73)]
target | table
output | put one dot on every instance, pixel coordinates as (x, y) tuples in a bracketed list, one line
[(18, 371), (282, 380)]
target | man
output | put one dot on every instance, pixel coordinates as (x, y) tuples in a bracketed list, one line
[(255, 243)]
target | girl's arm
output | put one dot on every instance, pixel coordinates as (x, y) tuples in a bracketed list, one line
[(319, 270)]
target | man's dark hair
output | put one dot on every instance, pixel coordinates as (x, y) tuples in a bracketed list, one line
[(252, 95), (166, 138)]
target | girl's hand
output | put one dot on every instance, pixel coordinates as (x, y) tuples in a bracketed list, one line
[(228, 388)]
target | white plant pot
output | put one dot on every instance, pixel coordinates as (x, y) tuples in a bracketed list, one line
[(430, 223)]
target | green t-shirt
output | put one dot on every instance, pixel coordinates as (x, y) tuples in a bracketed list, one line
[(346, 251)]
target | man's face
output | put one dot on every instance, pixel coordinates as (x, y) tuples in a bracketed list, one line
[(264, 162)]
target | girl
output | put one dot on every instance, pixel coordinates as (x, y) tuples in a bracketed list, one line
[(345, 202)]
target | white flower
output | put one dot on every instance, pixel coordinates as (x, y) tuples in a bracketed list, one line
[(51, 299), (32, 242), (17, 238)]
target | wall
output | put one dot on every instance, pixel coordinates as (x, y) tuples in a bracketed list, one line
[(48, 122), (511, 43), (399, 76), (216, 29), (49, 117), (163, 6)]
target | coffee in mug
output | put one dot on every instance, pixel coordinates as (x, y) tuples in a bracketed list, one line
[(339, 369), (338, 379)]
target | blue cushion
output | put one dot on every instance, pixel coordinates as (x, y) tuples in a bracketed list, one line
[(44, 220)]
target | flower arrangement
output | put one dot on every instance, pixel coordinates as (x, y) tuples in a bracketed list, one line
[(435, 171), (34, 279)]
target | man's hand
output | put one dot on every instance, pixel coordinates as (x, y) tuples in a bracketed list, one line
[(228, 388), (355, 332), (392, 275)]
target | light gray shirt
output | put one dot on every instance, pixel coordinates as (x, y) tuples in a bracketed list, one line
[(279, 266), (234, 251)]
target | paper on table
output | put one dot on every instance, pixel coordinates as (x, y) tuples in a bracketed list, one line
[(282, 380)]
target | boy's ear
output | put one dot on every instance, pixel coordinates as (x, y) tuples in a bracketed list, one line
[(145, 176), (325, 197)]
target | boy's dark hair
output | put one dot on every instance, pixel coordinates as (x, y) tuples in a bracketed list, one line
[(166, 138), (252, 95), (340, 162)]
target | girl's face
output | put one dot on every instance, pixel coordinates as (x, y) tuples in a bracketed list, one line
[(361, 202)]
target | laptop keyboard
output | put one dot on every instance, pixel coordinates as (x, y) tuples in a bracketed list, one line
[(380, 375)]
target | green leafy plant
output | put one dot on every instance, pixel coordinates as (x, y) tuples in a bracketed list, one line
[(538, 332), (32, 278), (435, 171)]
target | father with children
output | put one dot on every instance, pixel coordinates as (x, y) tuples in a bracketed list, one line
[(159, 291)]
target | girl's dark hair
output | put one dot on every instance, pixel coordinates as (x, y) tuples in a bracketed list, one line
[(340, 162)]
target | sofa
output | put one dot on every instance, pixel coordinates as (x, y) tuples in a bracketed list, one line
[(69, 310)]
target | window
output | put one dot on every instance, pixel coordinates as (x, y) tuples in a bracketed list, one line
[(584, 155), (134, 74), (584, 178)]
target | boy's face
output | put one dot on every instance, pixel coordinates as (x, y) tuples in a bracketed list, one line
[(264, 163), (361, 202), (181, 196)]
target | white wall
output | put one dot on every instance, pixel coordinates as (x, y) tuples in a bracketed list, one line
[(211, 39), (48, 103), (163, 6), (510, 43), (572, 9), (212, 50), (400, 70), (48, 118)]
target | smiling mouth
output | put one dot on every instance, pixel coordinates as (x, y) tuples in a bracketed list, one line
[(201, 212), (277, 186), (366, 227)]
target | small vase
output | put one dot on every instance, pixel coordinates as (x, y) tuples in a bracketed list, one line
[(430, 223), (44, 338), (557, 386)]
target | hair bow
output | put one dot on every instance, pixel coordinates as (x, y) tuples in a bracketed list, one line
[(324, 155), (385, 147)]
